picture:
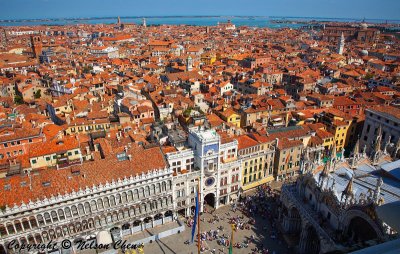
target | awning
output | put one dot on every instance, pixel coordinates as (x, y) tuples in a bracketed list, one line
[(104, 237)]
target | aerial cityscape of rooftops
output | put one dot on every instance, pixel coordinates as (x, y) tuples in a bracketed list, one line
[(194, 134)]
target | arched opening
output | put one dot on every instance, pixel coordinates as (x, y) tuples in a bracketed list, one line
[(192, 210), (168, 213), (182, 212), (311, 244), (136, 223), (360, 230), (2, 249), (126, 226), (209, 199), (148, 219), (158, 216)]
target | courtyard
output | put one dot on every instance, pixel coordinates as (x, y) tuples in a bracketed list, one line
[(260, 234)]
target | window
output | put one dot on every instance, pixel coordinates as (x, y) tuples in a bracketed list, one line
[(33, 161), (47, 158)]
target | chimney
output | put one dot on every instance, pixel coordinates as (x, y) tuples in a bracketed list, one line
[(277, 142), (129, 157)]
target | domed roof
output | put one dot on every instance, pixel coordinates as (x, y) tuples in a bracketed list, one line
[(364, 52), (364, 25)]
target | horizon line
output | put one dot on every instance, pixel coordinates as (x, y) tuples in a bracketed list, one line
[(198, 16)]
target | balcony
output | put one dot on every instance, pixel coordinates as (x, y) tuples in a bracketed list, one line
[(65, 163)]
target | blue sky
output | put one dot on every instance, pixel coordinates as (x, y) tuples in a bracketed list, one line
[(370, 9)]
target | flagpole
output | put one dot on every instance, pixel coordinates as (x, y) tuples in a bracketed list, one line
[(231, 243), (198, 217)]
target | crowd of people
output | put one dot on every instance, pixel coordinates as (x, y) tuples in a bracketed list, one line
[(252, 207)]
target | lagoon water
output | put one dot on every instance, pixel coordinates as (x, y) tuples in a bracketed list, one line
[(184, 20)]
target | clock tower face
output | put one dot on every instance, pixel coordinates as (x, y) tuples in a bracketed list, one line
[(210, 181)]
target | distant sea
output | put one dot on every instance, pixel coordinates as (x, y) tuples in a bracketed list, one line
[(255, 21)]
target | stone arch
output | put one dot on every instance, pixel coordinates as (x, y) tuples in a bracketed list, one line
[(47, 218), (158, 187), (118, 199), (163, 186), (40, 220), (90, 223), (45, 236), (23, 240), (74, 211), (148, 219), (106, 202), (310, 242), (33, 222), (141, 192), (209, 199), (54, 216), (59, 232), (153, 189), (61, 214), (132, 211), (158, 216), (18, 226), (81, 210), (31, 239), (71, 229), (133, 195), (112, 201), (367, 227), (137, 223), (97, 222), (93, 206), (87, 208), (147, 191), (114, 216), (3, 249), (85, 225), (67, 212), (25, 224), (38, 238), (168, 213), (10, 228), (100, 204), (124, 198), (3, 231)]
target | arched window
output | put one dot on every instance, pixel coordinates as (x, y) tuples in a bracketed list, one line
[(61, 214), (40, 220), (100, 204), (47, 218), (54, 216), (130, 196), (93, 205), (68, 213), (87, 207), (80, 209), (74, 211), (112, 200), (106, 202), (118, 199)]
